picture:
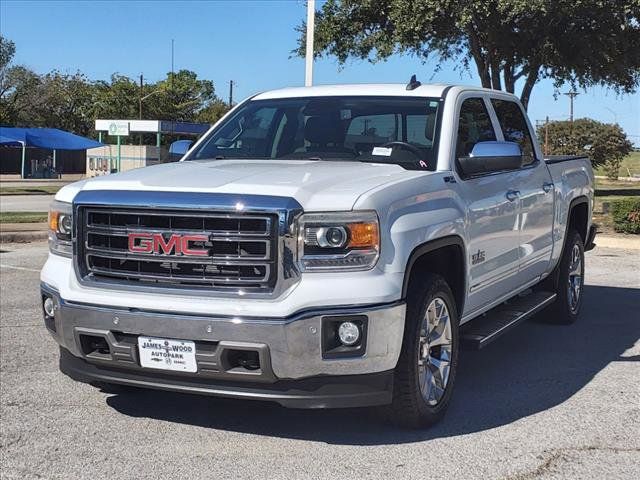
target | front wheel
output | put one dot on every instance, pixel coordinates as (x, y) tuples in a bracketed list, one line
[(426, 369)]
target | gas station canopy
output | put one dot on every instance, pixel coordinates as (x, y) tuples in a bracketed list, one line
[(123, 127)]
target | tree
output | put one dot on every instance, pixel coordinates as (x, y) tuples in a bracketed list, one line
[(213, 112), (584, 42), (605, 144), (182, 96)]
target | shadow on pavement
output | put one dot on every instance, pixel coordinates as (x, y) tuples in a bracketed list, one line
[(533, 368)]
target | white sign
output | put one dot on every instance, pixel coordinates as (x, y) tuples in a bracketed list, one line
[(119, 129), (382, 151), (166, 354)]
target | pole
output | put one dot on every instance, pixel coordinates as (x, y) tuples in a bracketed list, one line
[(140, 98), (171, 86), (546, 136), (100, 136), (230, 93), (24, 156), (308, 57), (54, 158), (118, 159), (572, 94)]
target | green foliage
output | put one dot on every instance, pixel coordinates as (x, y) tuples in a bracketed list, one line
[(626, 215), (7, 51), (605, 144), (213, 112), (72, 101), (585, 42)]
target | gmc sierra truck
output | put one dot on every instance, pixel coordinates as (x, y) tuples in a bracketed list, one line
[(328, 246)]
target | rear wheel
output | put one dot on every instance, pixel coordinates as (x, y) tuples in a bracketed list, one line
[(426, 369), (569, 281)]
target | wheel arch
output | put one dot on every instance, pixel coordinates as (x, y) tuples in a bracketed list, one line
[(444, 256), (578, 217)]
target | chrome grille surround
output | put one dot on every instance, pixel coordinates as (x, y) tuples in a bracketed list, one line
[(251, 242)]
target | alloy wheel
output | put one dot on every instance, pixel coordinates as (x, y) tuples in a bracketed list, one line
[(434, 351)]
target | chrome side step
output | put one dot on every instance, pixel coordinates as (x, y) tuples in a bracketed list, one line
[(481, 331)]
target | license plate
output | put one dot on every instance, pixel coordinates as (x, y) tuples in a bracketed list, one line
[(167, 354)]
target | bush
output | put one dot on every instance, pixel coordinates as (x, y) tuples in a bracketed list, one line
[(626, 215)]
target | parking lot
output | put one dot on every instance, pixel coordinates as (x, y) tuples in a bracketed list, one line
[(542, 402)]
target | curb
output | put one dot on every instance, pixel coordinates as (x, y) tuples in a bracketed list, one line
[(23, 237)]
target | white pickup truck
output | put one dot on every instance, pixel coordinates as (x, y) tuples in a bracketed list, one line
[(329, 246)]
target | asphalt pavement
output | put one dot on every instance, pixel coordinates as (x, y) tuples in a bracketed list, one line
[(541, 402)]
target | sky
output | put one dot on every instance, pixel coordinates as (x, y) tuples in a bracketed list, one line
[(249, 42)]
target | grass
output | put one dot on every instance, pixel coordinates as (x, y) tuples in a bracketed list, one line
[(43, 190), (23, 217), (630, 166)]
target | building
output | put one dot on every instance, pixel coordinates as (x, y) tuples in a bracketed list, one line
[(112, 158)]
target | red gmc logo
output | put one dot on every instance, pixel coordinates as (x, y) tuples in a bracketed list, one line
[(176, 244)]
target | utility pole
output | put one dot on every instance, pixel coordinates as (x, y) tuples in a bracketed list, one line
[(572, 94), (546, 136), (140, 97), (308, 57), (230, 93), (173, 98)]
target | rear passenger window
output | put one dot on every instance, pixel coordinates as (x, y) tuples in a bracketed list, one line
[(474, 125), (514, 127)]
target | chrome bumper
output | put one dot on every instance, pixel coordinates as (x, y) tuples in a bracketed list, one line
[(289, 348)]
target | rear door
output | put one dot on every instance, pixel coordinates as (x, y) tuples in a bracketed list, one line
[(492, 216), (535, 190)]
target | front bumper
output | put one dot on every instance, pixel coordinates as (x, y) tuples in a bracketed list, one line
[(293, 370)]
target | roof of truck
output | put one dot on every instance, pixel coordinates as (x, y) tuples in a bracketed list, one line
[(371, 89)]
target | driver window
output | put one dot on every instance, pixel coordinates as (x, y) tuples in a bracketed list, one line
[(474, 125)]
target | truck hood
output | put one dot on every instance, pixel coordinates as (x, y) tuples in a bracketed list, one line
[(316, 185)]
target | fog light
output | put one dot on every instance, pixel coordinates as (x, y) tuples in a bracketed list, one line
[(349, 333), (49, 307)]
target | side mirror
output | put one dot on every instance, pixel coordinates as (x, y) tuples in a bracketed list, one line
[(487, 157), (180, 147)]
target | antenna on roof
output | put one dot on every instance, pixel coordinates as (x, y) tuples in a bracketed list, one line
[(413, 83)]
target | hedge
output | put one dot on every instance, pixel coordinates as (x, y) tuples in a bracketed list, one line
[(626, 215)]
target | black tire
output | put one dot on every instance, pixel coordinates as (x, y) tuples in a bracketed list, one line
[(409, 408), (565, 310)]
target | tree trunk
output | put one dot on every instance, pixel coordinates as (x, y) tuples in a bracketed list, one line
[(478, 57), (531, 80), (495, 74), (509, 80)]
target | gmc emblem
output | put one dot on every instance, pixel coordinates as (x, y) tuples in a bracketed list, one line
[(176, 244)]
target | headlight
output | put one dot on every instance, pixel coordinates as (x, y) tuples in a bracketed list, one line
[(60, 228), (339, 241)]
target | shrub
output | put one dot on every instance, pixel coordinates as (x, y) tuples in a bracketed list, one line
[(626, 215)]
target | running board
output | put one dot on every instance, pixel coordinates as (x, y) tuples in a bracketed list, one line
[(481, 331)]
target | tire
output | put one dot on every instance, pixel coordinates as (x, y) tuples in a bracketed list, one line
[(410, 407), (568, 281)]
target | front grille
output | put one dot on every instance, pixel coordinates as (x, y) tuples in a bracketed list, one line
[(236, 251)]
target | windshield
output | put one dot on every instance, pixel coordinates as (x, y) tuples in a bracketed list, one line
[(400, 130)]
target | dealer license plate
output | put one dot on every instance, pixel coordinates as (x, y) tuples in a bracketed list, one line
[(167, 354)]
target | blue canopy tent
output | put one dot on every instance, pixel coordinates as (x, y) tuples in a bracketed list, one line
[(49, 138)]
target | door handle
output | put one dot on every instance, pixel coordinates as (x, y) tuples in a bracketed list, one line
[(512, 195), (547, 187)]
